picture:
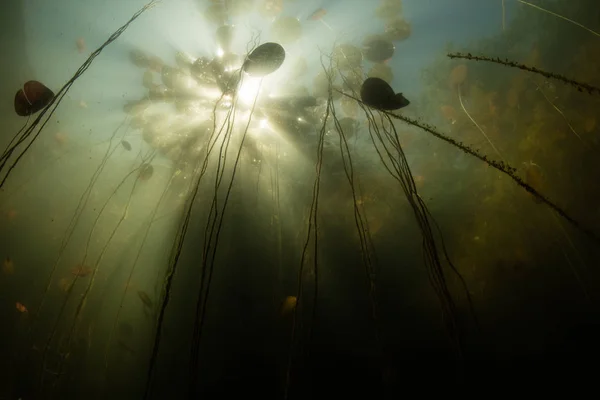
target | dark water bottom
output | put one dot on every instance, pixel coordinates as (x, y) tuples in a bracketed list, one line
[(412, 375)]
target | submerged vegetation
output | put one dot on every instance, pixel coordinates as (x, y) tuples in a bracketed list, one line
[(292, 211)]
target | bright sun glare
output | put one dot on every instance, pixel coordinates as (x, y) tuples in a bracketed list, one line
[(249, 89)]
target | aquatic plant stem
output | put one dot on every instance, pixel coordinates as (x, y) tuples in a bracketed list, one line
[(500, 166), (561, 113), (559, 16), (58, 98), (327, 25), (580, 86), (477, 125)]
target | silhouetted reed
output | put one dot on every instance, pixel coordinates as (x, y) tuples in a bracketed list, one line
[(582, 87)]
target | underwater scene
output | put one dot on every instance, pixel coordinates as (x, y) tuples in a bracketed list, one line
[(298, 199)]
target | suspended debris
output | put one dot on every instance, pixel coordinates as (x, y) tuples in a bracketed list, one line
[(21, 308), (378, 49), (317, 15), (264, 60), (126, 145), (288, 305), (286, 29), (80, 44), (377, 93), (32, 98)]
